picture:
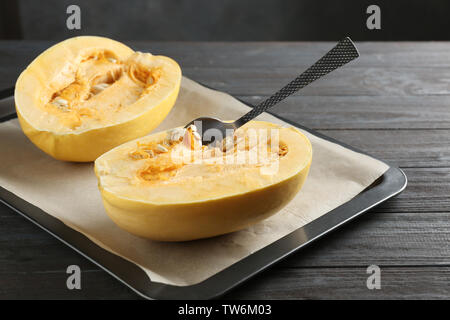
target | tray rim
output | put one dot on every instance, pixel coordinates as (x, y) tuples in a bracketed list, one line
[(391, 183)]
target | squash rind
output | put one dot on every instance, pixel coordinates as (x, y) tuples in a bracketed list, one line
[(204, 218), (201, 219), (86, 145)]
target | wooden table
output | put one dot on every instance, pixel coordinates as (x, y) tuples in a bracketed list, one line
[(393, 102)]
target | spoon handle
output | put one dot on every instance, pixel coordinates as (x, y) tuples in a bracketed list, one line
[(344, 52)]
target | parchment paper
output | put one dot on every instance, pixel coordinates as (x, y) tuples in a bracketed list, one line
[(68, 191)]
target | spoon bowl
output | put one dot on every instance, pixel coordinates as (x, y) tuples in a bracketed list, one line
[(213, 130)]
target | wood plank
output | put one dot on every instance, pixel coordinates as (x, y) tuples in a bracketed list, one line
[(388, 239), (293, 283), (297, 54), (25, 247), (404, 148), (348, 283), (363, 112), (95, 284), (347, 81), (265, 54), (427, 192)]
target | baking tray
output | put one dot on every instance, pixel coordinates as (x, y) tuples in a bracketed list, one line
[(385, 187)]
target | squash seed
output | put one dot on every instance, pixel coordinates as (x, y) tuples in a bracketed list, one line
[(61, 102), (196, 135), (161, 148), (100, 87), (176, 134)]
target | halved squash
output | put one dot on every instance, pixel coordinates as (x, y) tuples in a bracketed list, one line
[(168, 187), (86, 95)]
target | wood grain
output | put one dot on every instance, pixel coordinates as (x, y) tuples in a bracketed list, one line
[(295, 54), (348, 81), (404, 148), (363, 112), (347, 283), (305, 283), (262, 54)]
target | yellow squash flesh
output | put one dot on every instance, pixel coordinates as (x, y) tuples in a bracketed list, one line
[(87, 95), (148, 191)]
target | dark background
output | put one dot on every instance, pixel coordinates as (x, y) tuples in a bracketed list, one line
[(227, 20)]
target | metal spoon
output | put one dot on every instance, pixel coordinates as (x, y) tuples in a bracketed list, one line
[(213, 128)]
